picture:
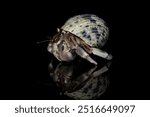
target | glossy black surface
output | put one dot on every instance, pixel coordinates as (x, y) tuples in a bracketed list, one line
[(27, 75)]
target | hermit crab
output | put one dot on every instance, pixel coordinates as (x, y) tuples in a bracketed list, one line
[(81, 35)]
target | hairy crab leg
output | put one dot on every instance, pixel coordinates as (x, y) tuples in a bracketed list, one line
[(82, 53)]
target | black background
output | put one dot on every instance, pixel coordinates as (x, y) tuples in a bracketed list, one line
[(25, 63)]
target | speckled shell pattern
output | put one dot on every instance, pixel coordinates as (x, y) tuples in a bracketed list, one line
[(88, 27)]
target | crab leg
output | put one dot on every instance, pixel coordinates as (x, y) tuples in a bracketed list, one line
[(84, 55), (104, 69), (101, 53)]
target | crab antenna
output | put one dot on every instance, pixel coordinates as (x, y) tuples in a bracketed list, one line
[(42, 41)]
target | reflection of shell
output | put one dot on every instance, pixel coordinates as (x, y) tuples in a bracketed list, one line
[(93, 89), (88, 84), (89, 27)]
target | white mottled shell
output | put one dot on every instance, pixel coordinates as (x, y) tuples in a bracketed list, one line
[(89, 27)]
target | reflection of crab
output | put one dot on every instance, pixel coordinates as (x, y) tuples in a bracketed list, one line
[(89, 84), (81, 35)]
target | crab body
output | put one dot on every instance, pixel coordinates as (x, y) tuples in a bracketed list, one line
[(81, 35)]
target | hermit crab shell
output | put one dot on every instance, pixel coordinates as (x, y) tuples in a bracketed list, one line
[(88, 27)]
